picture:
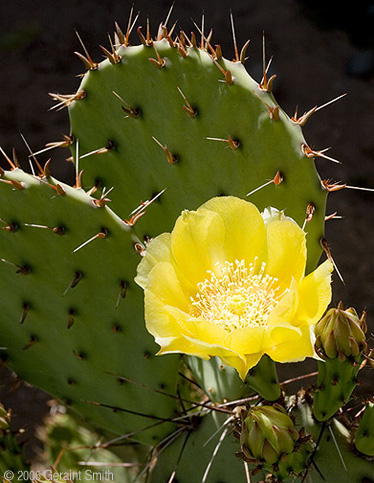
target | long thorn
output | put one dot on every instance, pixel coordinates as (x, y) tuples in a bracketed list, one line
[(128, 30), (173, 396), (214, 454), (168, 15), (87, 58), (330, 102), (131, 411), (337, 447), (278, 178), (161, 446), (101, 234), (172, 159), (233, 143), (228, 420), (205, 41), (10, 162), (41, 171), (359, 188), (105, 149), (244, 51), (327, 251), (68, 141), (236, 52), (202, 42), (311, 458), (310, 153), (190, 111), (129, 110), (159, 62), (171, 479), (64, 100), (303, 119)]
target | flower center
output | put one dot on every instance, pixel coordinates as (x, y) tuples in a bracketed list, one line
[(240, 297)]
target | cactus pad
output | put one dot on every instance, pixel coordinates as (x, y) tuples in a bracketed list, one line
[(72, 311), (185, 126)]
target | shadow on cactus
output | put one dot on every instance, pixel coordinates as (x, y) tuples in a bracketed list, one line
[(164, 134)]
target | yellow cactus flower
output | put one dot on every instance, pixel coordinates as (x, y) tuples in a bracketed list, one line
[(230, 282)]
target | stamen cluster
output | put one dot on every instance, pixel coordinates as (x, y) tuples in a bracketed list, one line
[(240, 296)]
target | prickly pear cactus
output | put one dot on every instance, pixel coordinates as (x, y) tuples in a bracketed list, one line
[(159, 128), (56, 236)]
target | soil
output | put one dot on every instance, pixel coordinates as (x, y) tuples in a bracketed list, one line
[(319, 52)]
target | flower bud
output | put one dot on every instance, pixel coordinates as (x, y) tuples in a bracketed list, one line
[(341, 333), (270, 434)]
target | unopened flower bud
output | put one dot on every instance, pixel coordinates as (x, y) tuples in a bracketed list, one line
[(341, 334), (270, 434)]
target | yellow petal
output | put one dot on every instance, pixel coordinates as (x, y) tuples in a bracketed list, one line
[(286, 308), (240, 364), (200, 348), (169, 286), (208, 332), (171, 323), (244, 227), (294, 350), (315, 294), (285, 253), (158, 250), (284, 332), (183, 345), (163, 320), (197, 243), (247, 341)]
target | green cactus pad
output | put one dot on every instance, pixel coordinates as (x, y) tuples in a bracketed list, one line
[(72, 314), (364, 437), (237, 141), (335, 384)]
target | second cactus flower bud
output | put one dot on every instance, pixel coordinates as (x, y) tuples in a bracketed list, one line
[(341, 333), (341, 342), (270, 433), (268, 439)]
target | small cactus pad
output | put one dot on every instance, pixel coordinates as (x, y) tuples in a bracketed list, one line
[(72, 315)]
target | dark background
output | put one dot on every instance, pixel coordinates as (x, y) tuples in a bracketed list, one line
[(320, 51)]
